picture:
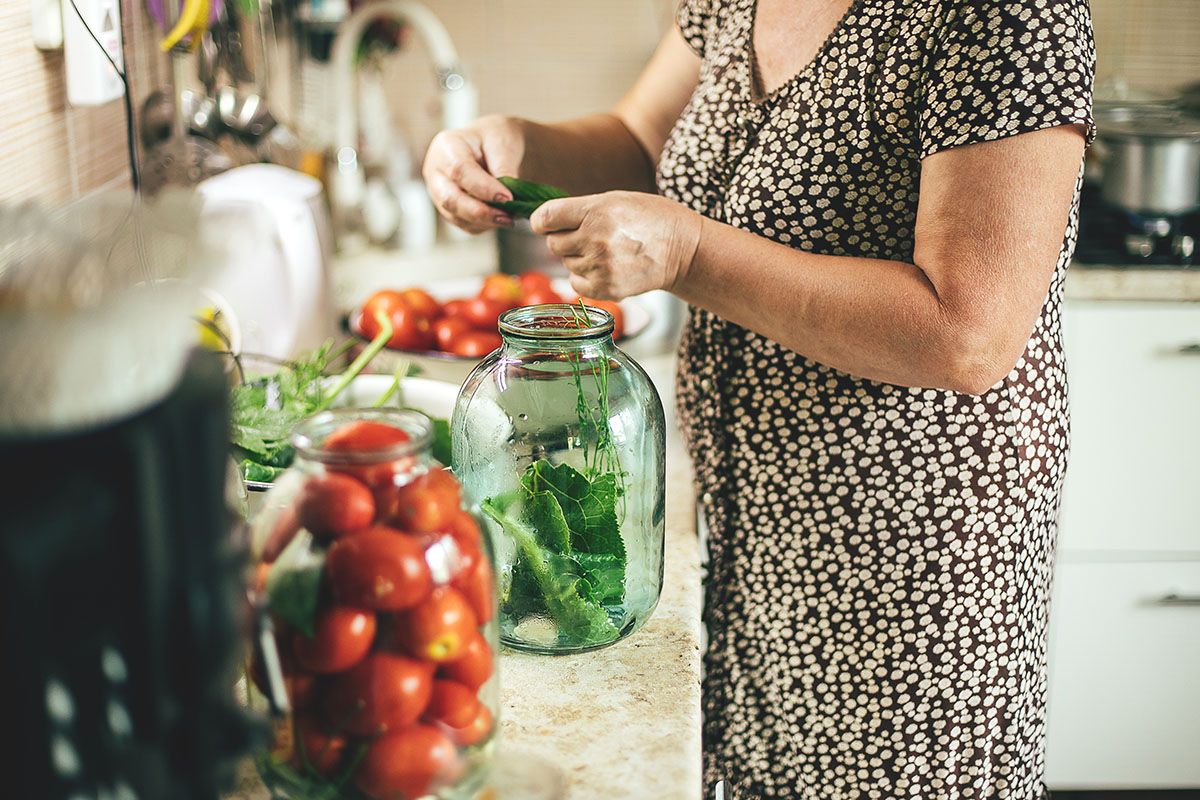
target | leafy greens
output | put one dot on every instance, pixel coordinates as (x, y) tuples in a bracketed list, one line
[(527, 196)]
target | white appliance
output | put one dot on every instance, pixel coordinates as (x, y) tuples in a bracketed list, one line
[(271, 285), (91, 79)]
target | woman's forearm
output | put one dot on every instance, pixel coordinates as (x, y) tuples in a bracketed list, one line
[(588, 155), (875, 319)]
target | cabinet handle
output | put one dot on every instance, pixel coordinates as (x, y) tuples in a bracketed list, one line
[(1191, 349), (1174, 599)]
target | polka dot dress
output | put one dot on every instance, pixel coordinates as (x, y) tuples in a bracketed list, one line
[(880, 556)]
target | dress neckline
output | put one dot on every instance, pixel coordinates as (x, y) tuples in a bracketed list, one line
[(755, 88)]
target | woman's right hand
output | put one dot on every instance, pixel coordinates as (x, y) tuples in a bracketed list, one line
[(461, 166)]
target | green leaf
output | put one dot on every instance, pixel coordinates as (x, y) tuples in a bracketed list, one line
[(602, 578), (294, 583), (545, 516), (441, 441), (590, 506), (578, 620)]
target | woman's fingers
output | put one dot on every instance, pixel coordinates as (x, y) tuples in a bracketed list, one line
[(566, 214), (468, 175), (463, 210)]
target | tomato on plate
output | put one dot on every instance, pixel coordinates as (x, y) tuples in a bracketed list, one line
[(473, 667), (541, 296), (426, 504), (385, 692), (410, 330), (475, 344), (483, 313), (438, 629), (612, 308), (474, 731), (323, 750), (503, 289), (366, 436), (422, 302), (454, 308), (341, 638), (379, 568), (447, 329), (333, 505), (532, 280), (408, 764), (452, 704)]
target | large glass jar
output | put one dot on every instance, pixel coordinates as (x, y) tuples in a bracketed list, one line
[(559, 438), (381, 596)]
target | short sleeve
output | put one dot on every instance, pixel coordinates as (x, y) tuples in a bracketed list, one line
[(694, 18), (1004, 67)]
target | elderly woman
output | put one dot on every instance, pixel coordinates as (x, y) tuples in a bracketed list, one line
[(869, 207)]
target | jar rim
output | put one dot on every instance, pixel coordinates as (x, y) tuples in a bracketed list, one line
[(308, 438), (556, 321)]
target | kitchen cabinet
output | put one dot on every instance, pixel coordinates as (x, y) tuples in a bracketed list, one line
[(1134, 470), (1124, 650), (1125, 676)]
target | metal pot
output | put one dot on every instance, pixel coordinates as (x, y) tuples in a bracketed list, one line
[(1152, 164), (521, 249)]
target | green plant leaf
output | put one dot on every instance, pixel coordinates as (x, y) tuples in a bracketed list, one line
[(527, 196), (589, 506), (294, 583)]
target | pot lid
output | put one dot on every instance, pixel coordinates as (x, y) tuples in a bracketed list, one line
[(1154, 125)]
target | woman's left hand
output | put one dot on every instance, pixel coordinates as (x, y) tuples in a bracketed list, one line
[(619, 244)]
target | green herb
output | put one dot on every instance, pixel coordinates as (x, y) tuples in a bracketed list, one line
[(527, 196), (294, 583)]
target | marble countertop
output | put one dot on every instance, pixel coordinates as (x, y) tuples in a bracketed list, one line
[(1131, 283), (622, 722)]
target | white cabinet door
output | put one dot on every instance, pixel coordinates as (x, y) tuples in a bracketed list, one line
[(1133, 478), (1124, 706)]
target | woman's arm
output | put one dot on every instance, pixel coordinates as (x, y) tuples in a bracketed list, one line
[(596, 153), (989, 228)]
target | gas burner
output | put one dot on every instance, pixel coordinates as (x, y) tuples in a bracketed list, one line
[(1114, 236)]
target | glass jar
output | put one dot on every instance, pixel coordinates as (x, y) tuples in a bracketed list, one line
[(559, 439), (381, 597)]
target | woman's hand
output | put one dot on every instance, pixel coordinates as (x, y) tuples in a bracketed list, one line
[(619, 244), (461, 166)]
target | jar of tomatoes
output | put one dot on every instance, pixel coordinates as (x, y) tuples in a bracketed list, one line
[(379, 590), (559, 438)]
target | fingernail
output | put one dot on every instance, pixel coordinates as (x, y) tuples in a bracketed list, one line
[(502, 198), (500, 219)]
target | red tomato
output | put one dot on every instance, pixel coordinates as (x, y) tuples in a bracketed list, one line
[(438, 629), (426, 504), (366, 436), (408, 764), (423, 303), (473, 667), (333, 505), (386, 692), (378, 568), (454, 308), (341, 638), (613, 308), (474, 731), (475, 583), (447, 329), (284, 529), (502, 289), (538, 297), (483, 313), (475, 344), (410, 330), (323, 751), (465, 529), (452, 704), (534, 280)]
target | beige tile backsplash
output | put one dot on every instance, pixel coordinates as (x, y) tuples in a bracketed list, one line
[(539, 58)]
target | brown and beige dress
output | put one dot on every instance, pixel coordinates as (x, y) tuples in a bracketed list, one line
[(880, 556)]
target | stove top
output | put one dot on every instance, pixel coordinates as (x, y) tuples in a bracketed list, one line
[(1111, 236)]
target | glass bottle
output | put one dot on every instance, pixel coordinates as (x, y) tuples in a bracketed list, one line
[(379, 589), (559, 439)]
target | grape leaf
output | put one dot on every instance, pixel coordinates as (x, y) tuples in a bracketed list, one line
[(589, 506)]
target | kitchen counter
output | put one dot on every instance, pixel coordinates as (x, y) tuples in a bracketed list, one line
[(622, 722), (1131, 283)]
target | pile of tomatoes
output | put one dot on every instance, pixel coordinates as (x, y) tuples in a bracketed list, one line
[(466, 326), (385, 693)]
